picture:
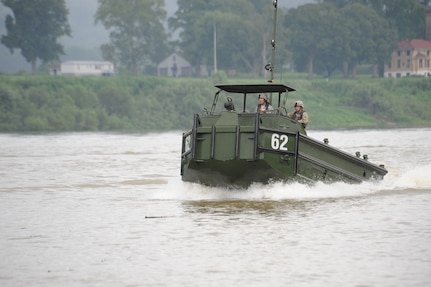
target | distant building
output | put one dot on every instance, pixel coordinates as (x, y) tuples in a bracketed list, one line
[(428, 26), (412, 58), (174, 66), (86, 68)]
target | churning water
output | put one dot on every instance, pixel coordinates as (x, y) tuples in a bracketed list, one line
[(95, 209)]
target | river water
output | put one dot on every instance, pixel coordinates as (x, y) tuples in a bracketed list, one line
[(97, 209)]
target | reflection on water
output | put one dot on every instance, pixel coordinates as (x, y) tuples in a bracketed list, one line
[(111, 210), (261, 207)]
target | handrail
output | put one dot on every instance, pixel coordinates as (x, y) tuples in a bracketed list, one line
[(194, 131)]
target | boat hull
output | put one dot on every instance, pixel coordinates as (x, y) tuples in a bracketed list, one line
[(237, 149)]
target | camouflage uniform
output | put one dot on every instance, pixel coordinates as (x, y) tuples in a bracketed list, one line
[(301, 116)]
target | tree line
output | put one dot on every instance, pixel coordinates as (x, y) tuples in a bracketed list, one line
[(321, 37)]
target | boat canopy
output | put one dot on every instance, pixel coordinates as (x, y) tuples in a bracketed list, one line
[(256, 88)]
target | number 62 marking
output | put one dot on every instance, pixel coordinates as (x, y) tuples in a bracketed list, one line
[(279, 142)]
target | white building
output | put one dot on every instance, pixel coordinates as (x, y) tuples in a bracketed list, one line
[(87, 68), (174, 66)]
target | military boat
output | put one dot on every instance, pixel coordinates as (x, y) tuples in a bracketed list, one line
[(235, 148)]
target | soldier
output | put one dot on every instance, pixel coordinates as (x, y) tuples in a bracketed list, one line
[(263, 105), (299, 114)]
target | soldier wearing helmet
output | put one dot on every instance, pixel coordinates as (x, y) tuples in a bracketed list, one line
[(299, 115), (263, 106)]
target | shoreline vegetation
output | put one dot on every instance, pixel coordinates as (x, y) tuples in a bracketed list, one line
[(151, 104)]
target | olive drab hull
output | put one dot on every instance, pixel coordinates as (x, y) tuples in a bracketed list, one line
[(236, 149), (238, 155)]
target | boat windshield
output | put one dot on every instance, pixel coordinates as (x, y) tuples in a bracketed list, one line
[(231, 98)]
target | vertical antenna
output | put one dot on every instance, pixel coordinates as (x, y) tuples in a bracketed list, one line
[(215, 47), (270, 66)]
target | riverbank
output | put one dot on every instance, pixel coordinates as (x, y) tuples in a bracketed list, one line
[(48, 103)]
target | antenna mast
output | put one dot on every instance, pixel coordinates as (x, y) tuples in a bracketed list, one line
[(270, 66), (215, 47)]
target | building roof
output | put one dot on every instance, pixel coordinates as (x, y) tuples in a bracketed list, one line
[(414, 44), (86, 63), (174, 58)]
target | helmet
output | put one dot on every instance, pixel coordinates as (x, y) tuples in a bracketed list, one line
[(263, 96), (299, 104)]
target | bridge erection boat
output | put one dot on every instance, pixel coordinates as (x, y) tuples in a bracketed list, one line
[(234, 148)]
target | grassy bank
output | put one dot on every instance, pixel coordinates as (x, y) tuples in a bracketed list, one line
[(369, 103), (46, 103)]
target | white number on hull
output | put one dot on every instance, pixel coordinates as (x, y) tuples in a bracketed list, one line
[(279, 142)]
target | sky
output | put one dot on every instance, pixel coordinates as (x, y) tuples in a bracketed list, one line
[(85, 33)]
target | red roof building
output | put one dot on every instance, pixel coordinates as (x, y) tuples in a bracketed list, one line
[(411, 58)]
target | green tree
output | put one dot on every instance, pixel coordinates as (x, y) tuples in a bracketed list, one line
[(137, 35), (370, 39), (35, 27), (407, 16), (325, 36), (309, 25), (334, 44), (243, 33)]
